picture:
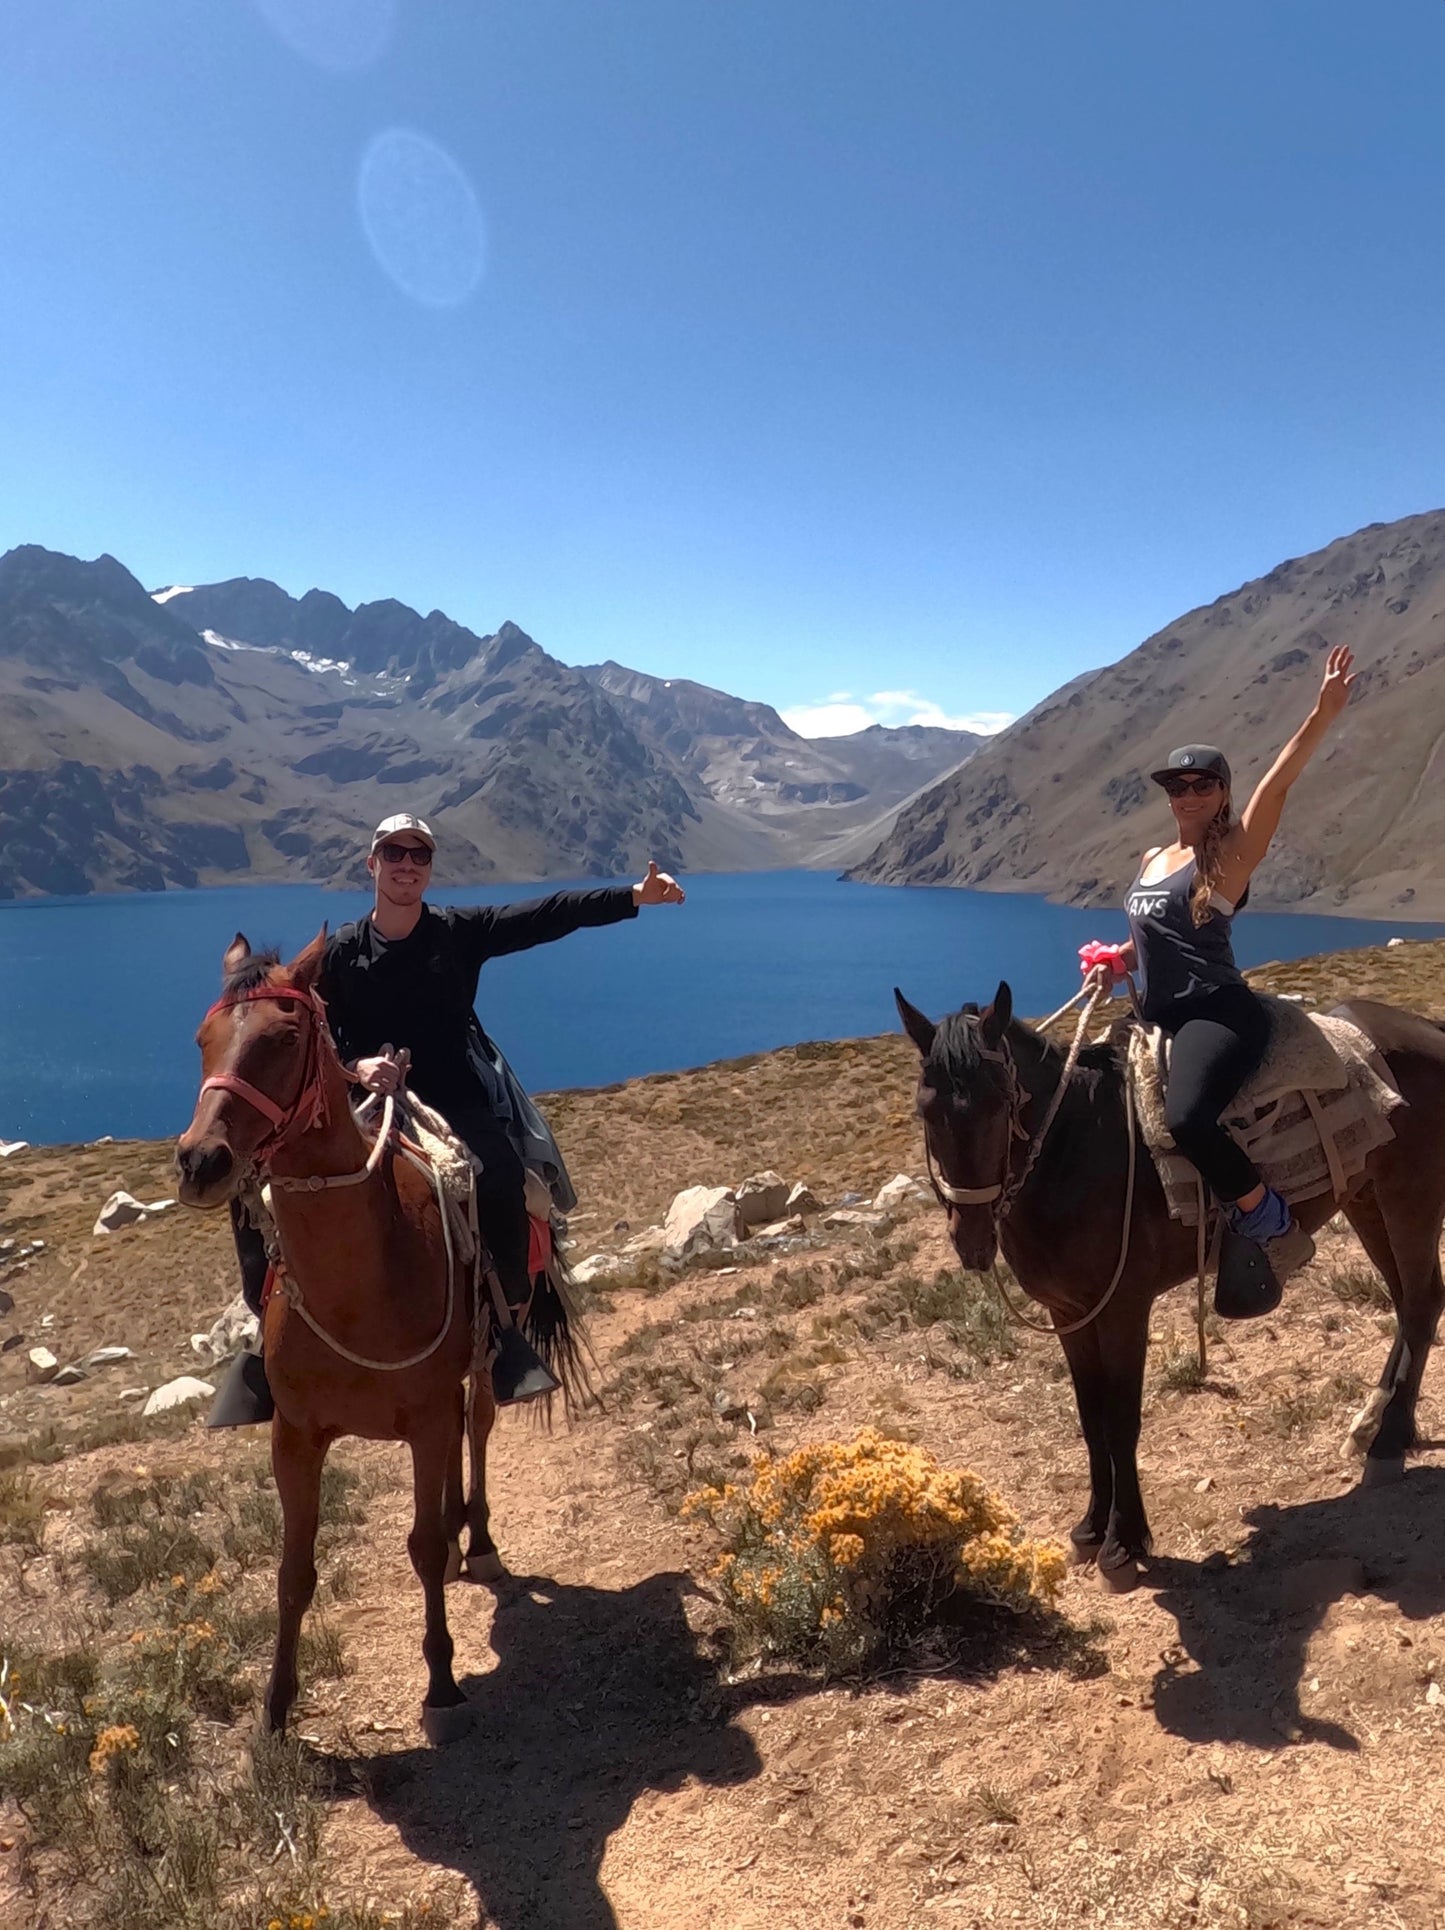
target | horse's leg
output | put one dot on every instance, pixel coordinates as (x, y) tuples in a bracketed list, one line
[(296, 1460), (1373, 1234), (454, 1507), (1415, 1242), (1081, 1350), (1123, 1344), (483, 1563), (445, 1713)]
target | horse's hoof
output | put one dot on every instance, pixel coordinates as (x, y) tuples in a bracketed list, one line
[(1366, 1424), (484, 1568), (1380, 1472), (456, 1567), (1120, 1577), (445, 1724)]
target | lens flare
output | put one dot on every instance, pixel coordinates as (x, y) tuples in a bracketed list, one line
[(421, 218), (342, 35)]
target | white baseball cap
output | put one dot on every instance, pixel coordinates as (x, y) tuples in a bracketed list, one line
[(403, 821)]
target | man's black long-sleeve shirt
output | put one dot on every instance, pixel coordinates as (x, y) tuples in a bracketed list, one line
[(419, 991)]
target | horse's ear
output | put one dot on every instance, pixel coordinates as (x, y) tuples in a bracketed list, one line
[(235, 955), (305, 968), (995, 1021), (918, 1027)]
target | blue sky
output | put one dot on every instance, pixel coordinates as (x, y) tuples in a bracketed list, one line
[(813, 348)]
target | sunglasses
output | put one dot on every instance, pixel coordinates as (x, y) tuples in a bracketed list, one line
[(400, 853), (1190, 786)]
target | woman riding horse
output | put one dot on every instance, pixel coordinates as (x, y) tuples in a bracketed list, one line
[(403, 981), (1180, 909)]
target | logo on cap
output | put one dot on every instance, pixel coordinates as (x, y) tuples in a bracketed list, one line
[(1187, 759)]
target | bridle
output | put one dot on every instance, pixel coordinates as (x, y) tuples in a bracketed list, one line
[(1005, 1190), (309, 1108), (1003, 1195)]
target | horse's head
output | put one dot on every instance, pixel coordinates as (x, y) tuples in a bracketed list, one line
[(967, 1099), (259, 1055)]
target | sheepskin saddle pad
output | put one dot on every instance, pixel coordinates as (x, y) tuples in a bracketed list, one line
[(1309, 1118)]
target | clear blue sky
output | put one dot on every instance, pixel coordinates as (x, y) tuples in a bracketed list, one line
[(806, 347)]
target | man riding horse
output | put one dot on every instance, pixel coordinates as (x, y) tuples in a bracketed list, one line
[(400, 985)]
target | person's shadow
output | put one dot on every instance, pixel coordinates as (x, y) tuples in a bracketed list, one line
[(598, 1695), (1245, 1626)]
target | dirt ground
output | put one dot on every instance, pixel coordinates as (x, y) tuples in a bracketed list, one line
[(1251, 1739)]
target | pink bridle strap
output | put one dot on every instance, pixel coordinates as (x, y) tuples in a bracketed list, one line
[(228, 1082), (311, 1100)]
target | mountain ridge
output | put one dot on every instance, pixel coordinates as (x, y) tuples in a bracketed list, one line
[(201, 733)]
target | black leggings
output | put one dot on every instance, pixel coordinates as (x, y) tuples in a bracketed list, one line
[(501, 1215), (1218, 1040)]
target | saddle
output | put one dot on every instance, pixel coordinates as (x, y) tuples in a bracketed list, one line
[(1308, 1118)]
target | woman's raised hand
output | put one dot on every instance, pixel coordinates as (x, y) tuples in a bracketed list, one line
[(1338, 682)]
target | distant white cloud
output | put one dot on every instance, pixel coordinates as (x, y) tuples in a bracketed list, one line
[(841, 714)]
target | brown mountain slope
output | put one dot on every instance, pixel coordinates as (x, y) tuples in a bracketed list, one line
[(1060, 803)]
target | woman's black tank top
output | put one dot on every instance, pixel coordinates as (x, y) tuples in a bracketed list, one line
[(1179, 960)]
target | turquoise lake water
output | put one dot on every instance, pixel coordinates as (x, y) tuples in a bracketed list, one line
[(100, 997)]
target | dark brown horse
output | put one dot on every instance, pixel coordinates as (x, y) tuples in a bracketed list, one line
[(986, 1083), (372, 1333)]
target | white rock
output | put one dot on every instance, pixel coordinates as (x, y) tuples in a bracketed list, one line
[(597, 1266), (651, 1239), (761, 1197), (1391, 943), (123, 1209), (900, 1188), (802, 1199), (41, 1365), (107, 1356), (780, 1229), (69, 1377), (176, 1393), (855, 1216), (6, 1246), (701, 1219), (106, 1139), (133, 1393), (9, 1146), (236, 1331)]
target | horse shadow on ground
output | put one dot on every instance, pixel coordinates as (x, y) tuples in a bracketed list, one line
[(1246, 1625), (598, 1697)]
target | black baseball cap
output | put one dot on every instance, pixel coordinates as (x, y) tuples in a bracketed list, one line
[(1195, 760)]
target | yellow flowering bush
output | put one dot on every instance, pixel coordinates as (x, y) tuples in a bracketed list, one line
[(116, 1740), (840, 1552)]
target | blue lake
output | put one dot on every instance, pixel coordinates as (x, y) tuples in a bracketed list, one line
[(100, 997)]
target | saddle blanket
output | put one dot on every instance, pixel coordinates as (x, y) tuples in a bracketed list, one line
[(1309, 1118)]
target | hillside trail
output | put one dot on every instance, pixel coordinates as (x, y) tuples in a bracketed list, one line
[(1230, 1745)]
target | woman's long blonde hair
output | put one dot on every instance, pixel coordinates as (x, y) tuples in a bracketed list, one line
[(1209, 862)]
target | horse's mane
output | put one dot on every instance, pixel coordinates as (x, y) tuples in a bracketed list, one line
[(956, 1046), (252, 971)]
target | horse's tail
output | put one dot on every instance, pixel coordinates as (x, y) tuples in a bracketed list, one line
[(556, 1329)]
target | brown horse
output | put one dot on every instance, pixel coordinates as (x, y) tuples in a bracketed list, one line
[(371, 1333), (986, 1083)]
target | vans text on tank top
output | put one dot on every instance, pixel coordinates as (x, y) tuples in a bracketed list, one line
[(1179, 960)]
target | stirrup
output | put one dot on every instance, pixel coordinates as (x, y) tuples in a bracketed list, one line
[(1245, 1286), (518, 1372), (245, 1396)]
